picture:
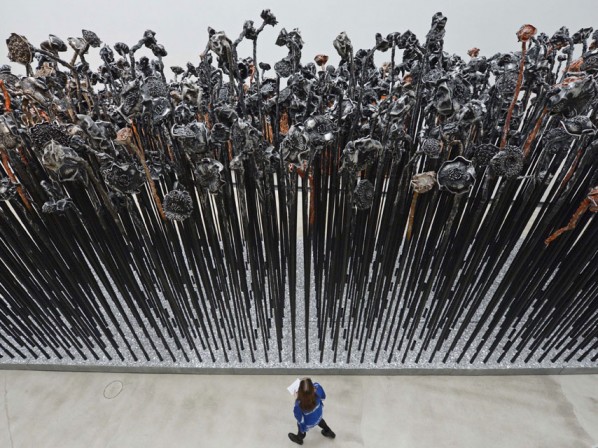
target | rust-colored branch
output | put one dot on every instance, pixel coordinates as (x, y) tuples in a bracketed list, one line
[(269, 133), (13, 179), (5, 164), (571, 170), (505, 131), (22, 156), (6, 96), (411, 215), (147, 172), (528, 143), (284, 123), (585, 204)]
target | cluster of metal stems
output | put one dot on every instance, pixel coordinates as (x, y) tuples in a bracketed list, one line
[(434, 209)]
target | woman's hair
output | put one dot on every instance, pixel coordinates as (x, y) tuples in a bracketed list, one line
[(306, 395)]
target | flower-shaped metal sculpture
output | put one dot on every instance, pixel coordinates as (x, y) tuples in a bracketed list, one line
[(590, 62), (209, 175), (220, 133), (158, 164), (578, 126), (423, 182), (220, 44), (160, 110), (178, 205), (363, 194), (284, 67), (557, 140), (431, 147), (319, 131), (58, 203), (64, 162), (343, 46), (130, 99), (79, 44), (443, 100), (506, 84), (126, 178), (456, 176), (359, 154), (36, 90), (526, 32), (294, 147), (8, 189), (226, 115), (19, 49), (572, 98), (237, 163), (245, 137), (53, 44), (124, 137), (508, 162), (292, 40), (107, 55), (482, 154), (91, 38), (8, 78), (472, 112), (266, 160), (268, 17), (59, 207), (8, 133), (193, 137), (121, 48), (97, 131), (321, 60), (183, 115), (154, 87)]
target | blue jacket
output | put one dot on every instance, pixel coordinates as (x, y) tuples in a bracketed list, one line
[(309, 419)]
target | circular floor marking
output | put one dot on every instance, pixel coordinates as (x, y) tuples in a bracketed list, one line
[(113, 389)]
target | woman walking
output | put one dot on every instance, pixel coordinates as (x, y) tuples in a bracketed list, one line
[(308, 411)]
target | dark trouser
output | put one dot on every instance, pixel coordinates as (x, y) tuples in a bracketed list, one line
[(322, 425)]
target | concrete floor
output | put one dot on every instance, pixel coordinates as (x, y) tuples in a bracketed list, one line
[(63, 410)]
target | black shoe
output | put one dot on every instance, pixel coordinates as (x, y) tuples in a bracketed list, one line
[(295, 438), (328, 433)]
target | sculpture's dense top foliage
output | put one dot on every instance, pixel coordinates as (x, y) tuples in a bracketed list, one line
[(488, 110)]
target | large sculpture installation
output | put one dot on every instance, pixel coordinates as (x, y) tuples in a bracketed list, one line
[(433, 211)]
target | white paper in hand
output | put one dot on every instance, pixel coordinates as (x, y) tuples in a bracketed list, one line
[(293, 388)]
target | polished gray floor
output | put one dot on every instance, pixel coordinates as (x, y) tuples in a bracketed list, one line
[(63, 410)]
